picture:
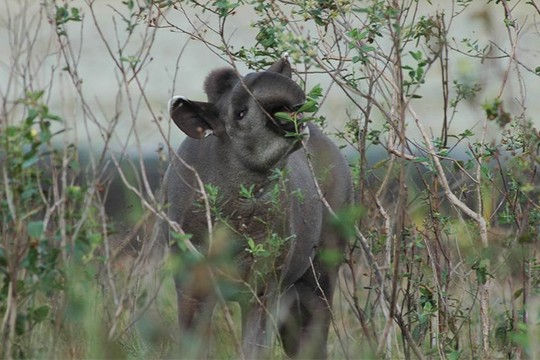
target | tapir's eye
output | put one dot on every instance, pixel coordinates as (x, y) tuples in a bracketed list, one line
[(240, 115)]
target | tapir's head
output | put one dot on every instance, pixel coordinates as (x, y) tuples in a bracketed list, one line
[(241, 111)]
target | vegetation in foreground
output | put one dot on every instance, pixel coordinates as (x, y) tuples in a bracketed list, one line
[(443, 254)]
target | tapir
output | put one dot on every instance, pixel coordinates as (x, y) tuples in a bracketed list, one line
[(263, 189)]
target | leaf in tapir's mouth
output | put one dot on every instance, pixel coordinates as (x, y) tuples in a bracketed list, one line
[(290, 121)]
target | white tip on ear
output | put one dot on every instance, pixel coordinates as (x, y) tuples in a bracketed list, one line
[(306, 132), (174, 100), (208, 132), (285, 56)]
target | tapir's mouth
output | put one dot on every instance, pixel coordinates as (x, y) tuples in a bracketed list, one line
[(295, 125), (289, 121)]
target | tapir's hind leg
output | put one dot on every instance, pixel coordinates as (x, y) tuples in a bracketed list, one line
[(307, 316), (292, 317)]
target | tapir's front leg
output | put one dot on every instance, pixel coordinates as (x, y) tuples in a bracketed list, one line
[(187, 307), (194, 318), (256, 330)]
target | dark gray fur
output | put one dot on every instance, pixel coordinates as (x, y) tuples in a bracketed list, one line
[(228, 150)]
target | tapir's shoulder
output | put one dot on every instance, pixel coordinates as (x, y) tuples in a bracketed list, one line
[(330, 166), (323, 148), (193, 152)]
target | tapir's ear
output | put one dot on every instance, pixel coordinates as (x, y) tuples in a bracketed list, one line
[(196, 119), (282, 66), (219, 82)]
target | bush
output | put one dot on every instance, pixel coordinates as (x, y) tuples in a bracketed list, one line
[(437, 121)]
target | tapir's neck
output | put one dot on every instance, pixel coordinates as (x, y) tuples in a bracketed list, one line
[(234, 172)]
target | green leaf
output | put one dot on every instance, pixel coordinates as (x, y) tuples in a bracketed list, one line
[(52, 117), (315, 92), (309, 106), (131, 60), (247, 192), (251, 243), (367, 48), (39, 314), (421, 159), (492, 108), (179, 240), (454, 355), (35, 228), (467, 133), (32, 114), (130, 4), (417, 55), (481, 268), (283, 116), (346, 220), (30, 162), (34, 95), (75, 14), (331, 257)]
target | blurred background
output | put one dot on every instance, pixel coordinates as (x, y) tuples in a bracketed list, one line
[(177, 63)]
